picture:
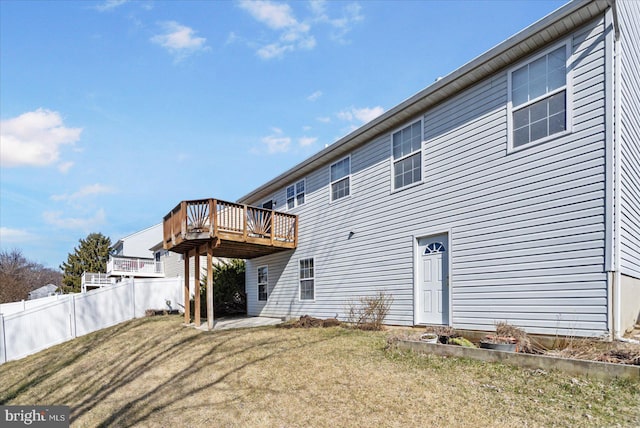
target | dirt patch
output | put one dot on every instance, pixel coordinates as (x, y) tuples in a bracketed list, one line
[(306, 321), (155, 312)]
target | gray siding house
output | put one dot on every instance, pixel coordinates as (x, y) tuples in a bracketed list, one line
[(507, 190)]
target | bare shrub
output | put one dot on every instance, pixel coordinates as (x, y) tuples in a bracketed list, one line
[(506, 331), (306, 321), (369, 312), (445, 332)]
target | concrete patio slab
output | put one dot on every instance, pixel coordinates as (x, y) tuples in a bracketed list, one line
[(226, 323)]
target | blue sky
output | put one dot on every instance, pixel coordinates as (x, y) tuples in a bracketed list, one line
[(114, 111)]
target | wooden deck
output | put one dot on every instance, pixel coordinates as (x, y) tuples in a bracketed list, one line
[(232, 230)]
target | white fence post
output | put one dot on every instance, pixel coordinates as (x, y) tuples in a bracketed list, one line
[(3, 342), (133, 298), (72, 316)]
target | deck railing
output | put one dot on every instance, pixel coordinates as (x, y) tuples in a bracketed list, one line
[(221, 218), (93, 279), (134, 266)]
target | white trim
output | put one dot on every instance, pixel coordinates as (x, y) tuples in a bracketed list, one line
[(568, 88), (331, 182), (313, 259), (428, 233), (258, 283), (393, 160), (295, 194)]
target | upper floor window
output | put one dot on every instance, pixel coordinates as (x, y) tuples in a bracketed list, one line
[(263, 282), (538, 95), (340, 178), (407, 155), (295, 194)]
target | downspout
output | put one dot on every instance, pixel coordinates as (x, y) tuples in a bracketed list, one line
[(617, 321)]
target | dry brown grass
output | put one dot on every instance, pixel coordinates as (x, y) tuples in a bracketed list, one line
[(153, 372)]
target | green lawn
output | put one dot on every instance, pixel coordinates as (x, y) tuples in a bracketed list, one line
[(154, 372)]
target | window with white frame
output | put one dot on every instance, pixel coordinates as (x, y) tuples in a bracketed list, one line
[(340, 179), (307, 279), (295, 194), (263, 282), (538, 95), (407, 155)]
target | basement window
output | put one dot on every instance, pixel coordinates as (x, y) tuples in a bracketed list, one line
[(263, 282), (307, 279)]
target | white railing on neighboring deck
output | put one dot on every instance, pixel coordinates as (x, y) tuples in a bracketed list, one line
[(93, 280), (125, 266)]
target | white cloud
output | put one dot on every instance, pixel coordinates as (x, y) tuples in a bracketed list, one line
[(231, 38), (323, 119), (14, 236), (293, 34), (351, 14), (34, 138), (273, 50), (277, 142), (65, 167), (179, 40), (314, 96), (108, 5), (362, 115), (93, 189), (274, 15), (306, 141), (55, 218)]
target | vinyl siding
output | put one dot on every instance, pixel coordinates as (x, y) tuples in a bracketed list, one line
[(527, 228), (630, 138)]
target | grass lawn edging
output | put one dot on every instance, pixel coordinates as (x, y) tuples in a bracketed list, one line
[(594, 369)]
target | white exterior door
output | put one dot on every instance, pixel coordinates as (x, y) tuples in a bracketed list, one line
[(432, 294)]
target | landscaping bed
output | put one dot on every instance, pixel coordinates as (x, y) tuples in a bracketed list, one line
[(587, 349)]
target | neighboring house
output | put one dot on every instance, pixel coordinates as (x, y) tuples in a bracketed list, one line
[(130, 256), (139, 255), (507, 190), (44, 291), (173, 263), (138, 244)]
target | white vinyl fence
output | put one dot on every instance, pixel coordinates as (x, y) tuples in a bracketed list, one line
[(23, 305), (66, 317)]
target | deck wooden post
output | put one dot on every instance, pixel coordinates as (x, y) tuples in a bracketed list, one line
[(187, 306), (184, 219), (196, 275), (272, 229), (245, 210), (214, 216), (211, 223), (210, 286)]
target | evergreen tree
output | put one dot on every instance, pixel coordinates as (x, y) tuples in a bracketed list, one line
[(228, 288), (90, 256)]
